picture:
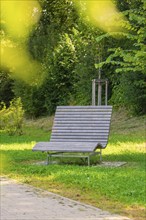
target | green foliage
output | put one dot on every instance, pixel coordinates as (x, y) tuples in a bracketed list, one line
[(6, 87), (11, 118), (68, 53), (52, 45), (129, 61), (32, 98), (60, 63), (130, 92), (68, 47)]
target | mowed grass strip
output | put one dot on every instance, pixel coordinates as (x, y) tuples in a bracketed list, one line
[(120, 190)]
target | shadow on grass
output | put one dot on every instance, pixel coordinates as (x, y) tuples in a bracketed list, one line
[(27, 156), (126, 156)]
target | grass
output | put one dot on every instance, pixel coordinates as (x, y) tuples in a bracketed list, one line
[(117, 189)]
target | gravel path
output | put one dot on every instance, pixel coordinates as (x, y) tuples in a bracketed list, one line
[(23, 202)]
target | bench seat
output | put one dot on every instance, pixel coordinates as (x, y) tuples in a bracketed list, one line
[(66, 147)]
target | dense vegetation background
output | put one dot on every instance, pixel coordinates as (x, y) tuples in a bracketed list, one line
[(71, 51)]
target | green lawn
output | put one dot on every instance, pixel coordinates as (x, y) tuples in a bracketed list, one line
[(117, 189)]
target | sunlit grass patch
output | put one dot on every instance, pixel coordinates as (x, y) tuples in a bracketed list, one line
[(3, 162)]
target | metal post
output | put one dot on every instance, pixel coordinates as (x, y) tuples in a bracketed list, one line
[(93, 92), (106, 91), (100, 83), (99, 92), (100, 155), (88, 160), (48, 158)]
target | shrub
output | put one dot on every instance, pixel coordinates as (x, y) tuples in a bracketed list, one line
[(11, 119)]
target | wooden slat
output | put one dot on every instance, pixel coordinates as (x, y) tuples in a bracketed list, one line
[(83, 106), (71, 139), (83, 112), (62, 149), (81, 127), (79, 139), (77, 116), (82, 118), (90, 108), (98, 121), (83, 124), (83, 131), (76, 111), (101, 142), (45, 143), (65, 146), (82, 135)]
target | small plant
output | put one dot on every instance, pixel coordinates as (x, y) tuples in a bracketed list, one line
[(11, 118)]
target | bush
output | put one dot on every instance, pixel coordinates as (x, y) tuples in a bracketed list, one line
[(11, 119), (130, 92)]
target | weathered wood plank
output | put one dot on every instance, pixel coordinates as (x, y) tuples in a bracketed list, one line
[(80, 119), (88, 113), (45, 143), (74, 111), (89, 107), (65, 147), (100, 140), (81, 127), (81, 135), (88, 122), (78, 131)]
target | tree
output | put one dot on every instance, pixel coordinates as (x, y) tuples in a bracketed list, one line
[(64, 43), (51, 45), (129, 59)]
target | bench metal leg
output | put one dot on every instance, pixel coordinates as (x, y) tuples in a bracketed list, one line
[(100, 155), (48, 158), (88, 158)]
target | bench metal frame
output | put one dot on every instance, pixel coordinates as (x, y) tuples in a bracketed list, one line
[(75, 155)]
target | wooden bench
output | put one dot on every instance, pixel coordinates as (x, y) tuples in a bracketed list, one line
[(78, 131)]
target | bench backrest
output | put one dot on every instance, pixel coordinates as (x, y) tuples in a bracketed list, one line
[(82, 124)]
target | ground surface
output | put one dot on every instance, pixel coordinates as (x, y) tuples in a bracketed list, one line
[(22, 202)]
